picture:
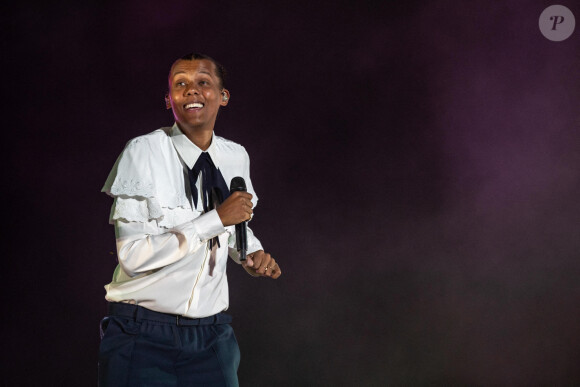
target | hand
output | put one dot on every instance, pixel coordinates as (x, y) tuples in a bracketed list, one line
[(262, 264), (236, 208)]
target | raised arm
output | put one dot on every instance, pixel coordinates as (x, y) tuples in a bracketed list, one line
[(144, 246)]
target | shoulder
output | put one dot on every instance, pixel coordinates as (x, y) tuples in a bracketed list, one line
[(228, 146), (149, 167), (159, 137), (155, 148)]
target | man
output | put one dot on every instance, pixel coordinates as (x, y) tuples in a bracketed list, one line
[(175, 223)]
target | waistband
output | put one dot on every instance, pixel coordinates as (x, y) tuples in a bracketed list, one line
[(138, 313)]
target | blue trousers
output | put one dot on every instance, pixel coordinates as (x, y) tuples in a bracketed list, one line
[(140, 347)]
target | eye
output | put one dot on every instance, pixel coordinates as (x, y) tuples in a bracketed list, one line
[(180, 83), (203, 83)]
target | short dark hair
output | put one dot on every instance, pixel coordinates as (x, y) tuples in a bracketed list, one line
[(220, 70)]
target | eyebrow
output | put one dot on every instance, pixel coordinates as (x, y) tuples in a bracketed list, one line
[(183, 72)]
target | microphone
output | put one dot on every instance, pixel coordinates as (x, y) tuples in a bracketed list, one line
[(239, 184)]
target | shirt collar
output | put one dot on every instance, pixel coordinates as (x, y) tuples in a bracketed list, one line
[(190, 152)]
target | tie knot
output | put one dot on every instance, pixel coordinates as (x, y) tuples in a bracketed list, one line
[(212, 182), (203, 163)]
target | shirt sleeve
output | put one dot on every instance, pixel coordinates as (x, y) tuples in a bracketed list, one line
[(253, 245), (144, 246)]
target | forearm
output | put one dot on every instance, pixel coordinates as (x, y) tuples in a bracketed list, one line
[(143, 247)]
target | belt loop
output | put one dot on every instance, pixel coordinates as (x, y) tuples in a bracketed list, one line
[(177, 320), (138, 313)]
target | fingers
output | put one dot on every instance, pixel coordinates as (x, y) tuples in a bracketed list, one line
[(244, 195), (261, 261), (265, 265), (247, 206), (244, 200), (236, 208), (248, 266), (274, 271)]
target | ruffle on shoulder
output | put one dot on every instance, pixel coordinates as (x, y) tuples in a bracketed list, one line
[(147, 182), (144, 210)]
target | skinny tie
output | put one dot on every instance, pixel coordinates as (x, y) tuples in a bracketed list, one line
[(213, 186)]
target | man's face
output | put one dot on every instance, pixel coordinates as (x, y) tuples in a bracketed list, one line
[(195, 94)]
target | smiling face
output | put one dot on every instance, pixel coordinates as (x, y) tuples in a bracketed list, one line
[(195, 94)]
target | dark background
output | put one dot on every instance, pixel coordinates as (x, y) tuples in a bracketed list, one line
[(417, 165)]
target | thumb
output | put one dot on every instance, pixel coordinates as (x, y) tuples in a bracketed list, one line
[(249, 262)]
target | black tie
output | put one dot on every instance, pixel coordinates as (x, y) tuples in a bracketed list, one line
[(214, 189)]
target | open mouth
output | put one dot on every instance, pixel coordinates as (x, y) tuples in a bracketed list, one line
[(193, 106)]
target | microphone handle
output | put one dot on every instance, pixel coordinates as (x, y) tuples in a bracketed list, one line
[(242, 239), (239, 184)]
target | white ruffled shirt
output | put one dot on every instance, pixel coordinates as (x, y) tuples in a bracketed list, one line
[(165, 263)]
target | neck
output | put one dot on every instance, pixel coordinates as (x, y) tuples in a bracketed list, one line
[(199, 136)]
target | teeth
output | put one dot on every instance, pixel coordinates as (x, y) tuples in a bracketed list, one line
[(194, 105)]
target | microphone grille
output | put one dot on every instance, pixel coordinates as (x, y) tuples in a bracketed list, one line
[(237, 184)]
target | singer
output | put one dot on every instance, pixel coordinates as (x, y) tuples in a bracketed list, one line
[(175, 219)]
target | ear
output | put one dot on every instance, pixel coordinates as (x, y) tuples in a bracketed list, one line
[(225, 97), (167, 102)]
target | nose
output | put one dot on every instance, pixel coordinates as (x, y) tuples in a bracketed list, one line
[(191, 90)]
